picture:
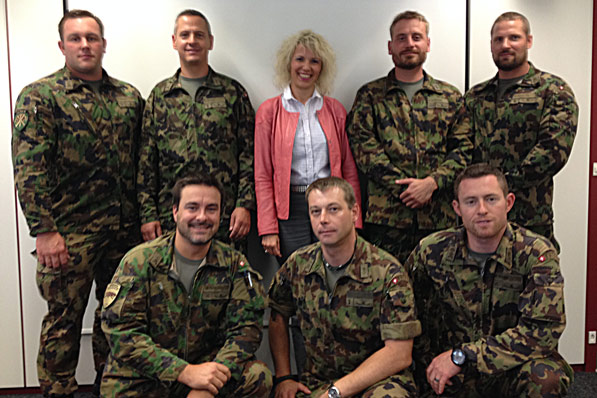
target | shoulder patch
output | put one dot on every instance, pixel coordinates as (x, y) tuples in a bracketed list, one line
[(111, 294), (21, 119)]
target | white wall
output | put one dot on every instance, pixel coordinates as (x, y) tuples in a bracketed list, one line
[(11, 369), (247, 34)]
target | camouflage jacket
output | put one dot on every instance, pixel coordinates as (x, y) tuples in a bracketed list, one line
[(213, 134), (528, 134), (373, 302), (503, 314), (393, 139), (155, 327), (75, 154)]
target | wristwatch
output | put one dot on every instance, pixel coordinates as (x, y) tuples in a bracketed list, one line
[(333, 392), (458, 356)]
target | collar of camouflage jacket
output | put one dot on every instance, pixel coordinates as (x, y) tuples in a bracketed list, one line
[(503, 253), (429, 83), (213, 81), (531, 79), (162, 254), (71, 82), (357, 269)]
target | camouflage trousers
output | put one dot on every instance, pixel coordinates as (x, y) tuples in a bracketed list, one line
[(399, 242), (93, 257), (254, 382), (397, 386), (546, 378)]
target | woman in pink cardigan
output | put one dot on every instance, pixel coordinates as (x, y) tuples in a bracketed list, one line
[(299, 137)]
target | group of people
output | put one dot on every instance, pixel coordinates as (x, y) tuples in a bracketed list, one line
[(412, 305)]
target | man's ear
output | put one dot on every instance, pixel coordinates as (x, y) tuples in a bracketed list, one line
[(456, 207), (510, 198)]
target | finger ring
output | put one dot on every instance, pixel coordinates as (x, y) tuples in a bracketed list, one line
[(265, 250), (436, 379)]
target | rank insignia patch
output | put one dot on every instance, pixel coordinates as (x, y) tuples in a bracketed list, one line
[(111, 294), (21, 119)]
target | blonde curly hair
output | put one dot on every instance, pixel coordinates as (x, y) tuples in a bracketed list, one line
[(319, 46)]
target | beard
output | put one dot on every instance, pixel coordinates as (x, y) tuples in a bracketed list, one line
[(508, 65), (409, 63), (199, 240)]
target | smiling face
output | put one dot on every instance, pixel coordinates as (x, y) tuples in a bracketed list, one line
[(332, 220), (192, 41), (83, 48), (409, 44), (197, 215), (510, 45), (305, 68), (484, 210)]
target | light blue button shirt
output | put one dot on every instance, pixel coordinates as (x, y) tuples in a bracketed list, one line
[(310, 157)]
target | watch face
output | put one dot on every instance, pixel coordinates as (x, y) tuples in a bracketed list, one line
[(333, 392), (458, 356)]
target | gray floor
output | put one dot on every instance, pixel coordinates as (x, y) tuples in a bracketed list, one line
[(584, 386)]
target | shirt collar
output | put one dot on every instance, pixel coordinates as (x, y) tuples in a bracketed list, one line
[(287, 95)]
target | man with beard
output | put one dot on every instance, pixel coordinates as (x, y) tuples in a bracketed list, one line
[(490, 298), (410, 137), (183, 314), (196, 122), (524, 122)]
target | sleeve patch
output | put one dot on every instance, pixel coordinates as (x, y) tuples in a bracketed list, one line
[(111, 294), (21, 119)]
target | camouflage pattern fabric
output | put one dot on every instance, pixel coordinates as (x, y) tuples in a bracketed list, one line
[(94, 257), (74, 155), (155, 328), (399, 242), (528, 134), (212, 134), (392, 138), (255, 382), (508, 316), (371, 303)]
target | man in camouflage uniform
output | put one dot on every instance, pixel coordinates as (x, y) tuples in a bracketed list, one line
[(196, 122), (354, 303), (183, 312), (490, 299), (74, 154), (410, 137), (524, 122)]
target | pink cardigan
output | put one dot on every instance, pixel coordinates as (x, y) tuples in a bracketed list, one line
[(274, 137)]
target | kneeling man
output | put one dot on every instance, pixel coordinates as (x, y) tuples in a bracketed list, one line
[(183, 312), (354, 303), (490, 300)]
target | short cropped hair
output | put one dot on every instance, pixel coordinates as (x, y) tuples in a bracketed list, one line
[(479, 170), (208, 180), (323, 184), (319, 46), (74, 14), (513, 16), (409, 15), (191, 13)]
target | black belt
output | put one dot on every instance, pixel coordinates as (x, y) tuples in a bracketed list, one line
[(299, 188)]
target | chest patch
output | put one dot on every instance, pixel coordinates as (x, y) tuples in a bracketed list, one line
[(510, 282), (359, 299), (215, 292), (438, 103), (214, 103)]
